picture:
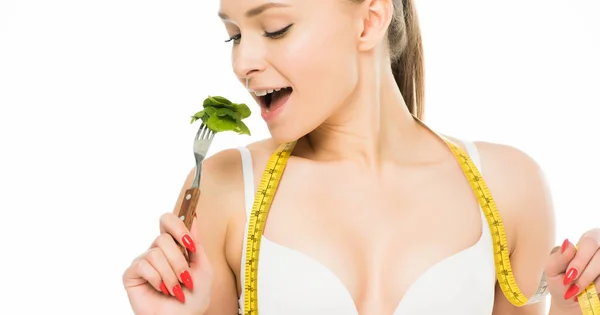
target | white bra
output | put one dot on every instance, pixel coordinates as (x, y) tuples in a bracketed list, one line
[(292, 283)]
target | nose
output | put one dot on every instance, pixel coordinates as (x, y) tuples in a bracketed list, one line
[(248, 60)]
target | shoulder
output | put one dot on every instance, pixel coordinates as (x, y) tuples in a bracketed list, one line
[(222, 171), (514, 172), (260, 152), (516, 177), (222, 185), (519, 188)]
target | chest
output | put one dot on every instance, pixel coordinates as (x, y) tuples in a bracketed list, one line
[(375, 237), (365, 215)]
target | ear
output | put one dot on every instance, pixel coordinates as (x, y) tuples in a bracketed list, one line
[(375, 23)]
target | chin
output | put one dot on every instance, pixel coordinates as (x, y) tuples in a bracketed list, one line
[(285, 133), (282, 120), (289, 121)]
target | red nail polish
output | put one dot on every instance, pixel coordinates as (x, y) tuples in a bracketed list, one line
[(576, 299), (188, 243), (163, 288), (570, 276), (571, 292), (564, 246), (179, 293), (187, 280)]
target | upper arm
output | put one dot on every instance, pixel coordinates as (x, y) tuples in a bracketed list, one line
[(220, 181), (523, 198)]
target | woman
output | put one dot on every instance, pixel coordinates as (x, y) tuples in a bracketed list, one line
[(373, 214)]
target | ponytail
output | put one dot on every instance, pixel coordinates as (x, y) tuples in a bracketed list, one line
[(406, 51), (406, 54)]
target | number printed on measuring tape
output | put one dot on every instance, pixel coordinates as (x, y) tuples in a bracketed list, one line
[(588, 298)]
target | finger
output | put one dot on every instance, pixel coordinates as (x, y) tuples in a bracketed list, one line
[(587, 249), (559, 259), (589, 274), (159, 261), (596, 287), (176, 259), (148, 273), (171, 224), (199, 258)]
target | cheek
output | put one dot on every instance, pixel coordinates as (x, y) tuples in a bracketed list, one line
[(316, 57)]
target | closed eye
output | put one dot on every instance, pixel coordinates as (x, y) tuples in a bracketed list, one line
[(273, 35), (236, 38), (279, 33)]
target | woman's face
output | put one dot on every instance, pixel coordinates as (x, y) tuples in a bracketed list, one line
[(305, 48)]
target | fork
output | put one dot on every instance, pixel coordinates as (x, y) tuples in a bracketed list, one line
[(202, 142)]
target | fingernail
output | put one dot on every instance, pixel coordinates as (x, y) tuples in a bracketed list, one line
[(163, 288), (576, 299), (188, 243), (179, 293), (570, 276), (571, 292), (187, 280), (564, 246)]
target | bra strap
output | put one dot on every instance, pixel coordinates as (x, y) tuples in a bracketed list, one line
[(248, 174), (248, 179), (473, 154)]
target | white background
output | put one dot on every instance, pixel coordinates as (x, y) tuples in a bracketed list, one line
[(95, 140)]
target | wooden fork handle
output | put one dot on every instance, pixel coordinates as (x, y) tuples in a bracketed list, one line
[(187, 213)]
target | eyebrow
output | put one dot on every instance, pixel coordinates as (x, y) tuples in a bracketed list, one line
[(258, 10)]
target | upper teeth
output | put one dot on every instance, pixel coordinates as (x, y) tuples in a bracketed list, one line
[(264, 92)]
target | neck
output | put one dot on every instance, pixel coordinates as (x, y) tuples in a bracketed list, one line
[(373, 125)]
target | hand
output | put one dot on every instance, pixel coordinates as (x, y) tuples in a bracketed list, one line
[(570, 270), (160, 281)]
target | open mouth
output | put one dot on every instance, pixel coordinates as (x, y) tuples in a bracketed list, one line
[(272, 99)]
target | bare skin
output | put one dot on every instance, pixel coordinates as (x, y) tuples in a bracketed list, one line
[(390, 230), (346, 223), (369, 230)]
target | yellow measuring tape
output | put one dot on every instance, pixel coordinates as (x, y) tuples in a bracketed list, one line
[(258, 216), (588, 299)]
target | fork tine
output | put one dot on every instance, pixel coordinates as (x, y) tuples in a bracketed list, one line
[(205, 131), (200, 133), (202, 130)]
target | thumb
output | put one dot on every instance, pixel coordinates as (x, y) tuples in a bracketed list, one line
[(201, 273), (198, 259), (559, 260)]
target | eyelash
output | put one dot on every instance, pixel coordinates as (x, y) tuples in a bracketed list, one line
[(273, 35)]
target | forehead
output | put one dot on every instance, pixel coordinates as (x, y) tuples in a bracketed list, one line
[(244, 9), (230, 9)]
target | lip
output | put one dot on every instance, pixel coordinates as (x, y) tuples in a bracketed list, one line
[(272, 114)]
